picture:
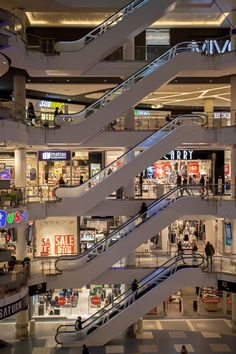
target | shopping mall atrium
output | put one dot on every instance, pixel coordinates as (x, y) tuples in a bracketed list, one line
[(117, 176)]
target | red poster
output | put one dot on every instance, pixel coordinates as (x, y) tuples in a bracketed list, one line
[(46, 244), (160, 168), (227, 169), (64, 244), (193, 168)]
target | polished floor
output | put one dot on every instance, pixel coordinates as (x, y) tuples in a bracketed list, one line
[(200, 336)]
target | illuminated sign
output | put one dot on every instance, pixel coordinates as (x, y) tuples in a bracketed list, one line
[(141, 112), (51, 105), (179, 155), (212, 46), (9, 218), (54, 155), (225, 115)]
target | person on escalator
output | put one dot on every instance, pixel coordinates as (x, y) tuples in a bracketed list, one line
[(85, 349), (78, 323), (168, 119), (143, 211), (134, 285)]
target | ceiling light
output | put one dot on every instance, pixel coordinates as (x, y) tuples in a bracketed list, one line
[(4, 62), (67, 80)]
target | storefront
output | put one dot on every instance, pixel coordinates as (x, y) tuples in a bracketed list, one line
[(56, 236)]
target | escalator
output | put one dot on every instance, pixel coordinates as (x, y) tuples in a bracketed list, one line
[(88, 266), (111, 34), (184, 56), (119, 173), (178, 272)]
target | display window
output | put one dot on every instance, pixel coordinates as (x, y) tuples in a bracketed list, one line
[(68, 303), (7, 169), (56, 237), (8, 239)]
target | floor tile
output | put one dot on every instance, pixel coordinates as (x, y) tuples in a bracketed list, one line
[(211, 335), (114, 349), (149, 325), (189, 347), (147, 348), (177, 334), (220, 348), (145, 335)]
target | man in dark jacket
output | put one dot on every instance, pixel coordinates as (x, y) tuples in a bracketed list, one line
[(210, 251)]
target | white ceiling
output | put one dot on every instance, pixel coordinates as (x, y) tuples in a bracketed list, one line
[(183, 95)]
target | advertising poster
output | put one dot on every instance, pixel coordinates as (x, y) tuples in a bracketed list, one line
[(64, 244)]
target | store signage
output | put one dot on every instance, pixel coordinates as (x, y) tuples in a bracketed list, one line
[(46, 244), (214, 47), (35, 289), (228, 234), (141, 112), (54, 156), (179, 155), (9, 218), (13, 308), (227, 286), (51, 105), (64, 244), (225, 115)]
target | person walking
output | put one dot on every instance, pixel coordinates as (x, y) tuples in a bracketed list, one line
[(185, 189), (78, 323), (31, 114), (143, 211), (85, 349), (61, 182), (209, 251), (134, 285), (184, 350)]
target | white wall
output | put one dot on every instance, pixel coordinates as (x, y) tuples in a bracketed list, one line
[(47, 229)]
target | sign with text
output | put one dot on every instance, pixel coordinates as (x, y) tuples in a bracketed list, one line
[(13, 308), (179, 155), (227, 286), (54, 155), (9, 218), (45, 246), (64, 244)]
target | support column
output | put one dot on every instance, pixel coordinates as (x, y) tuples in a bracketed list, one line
[(129, 120), (19, 93), (233, 32), (233, 170), (20, 168), (129, 50), (233, 312), (165, 240), (224, 303), (209, 110), (22, 317), (233, 99), (210, 232)]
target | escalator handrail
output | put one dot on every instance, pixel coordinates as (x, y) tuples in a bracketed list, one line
[(114, 17), (164, 267), (202, 117), (130, 221), (170, 53)]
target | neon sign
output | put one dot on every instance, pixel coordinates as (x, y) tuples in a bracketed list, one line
[(49, 104), (9, 218)]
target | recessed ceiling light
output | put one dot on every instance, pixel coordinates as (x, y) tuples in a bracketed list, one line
[(67, 80), (4, 62), (105, 80), (28, 80)]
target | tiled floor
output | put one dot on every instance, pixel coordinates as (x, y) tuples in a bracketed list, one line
[(162, 336)]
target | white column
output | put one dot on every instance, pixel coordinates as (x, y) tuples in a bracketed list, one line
[(21, 242), (129, 120), (209, 109), (22, 324), (233, 99), (129, 50), (233, 312), (19, 93), (20, 167), (165, 240), (233, 171), (233, 19), (210, 231), (224, 303)]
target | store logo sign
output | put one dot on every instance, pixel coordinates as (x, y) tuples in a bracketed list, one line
[(9, 218), (179, 155), (51, 105), (54, 155)]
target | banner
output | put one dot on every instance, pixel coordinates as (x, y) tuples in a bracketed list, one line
[(64, 244), (14, 307)]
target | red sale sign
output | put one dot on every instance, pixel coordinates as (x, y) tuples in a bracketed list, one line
[(64, 244), (45, 246)]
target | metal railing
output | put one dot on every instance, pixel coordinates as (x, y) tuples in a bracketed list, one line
[(14, 281), (133, 153), (119, 16), (44, 45), (128, 298), (128, 227)]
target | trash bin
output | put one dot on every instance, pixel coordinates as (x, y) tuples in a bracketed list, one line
[(195, 305), (32, 328)]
